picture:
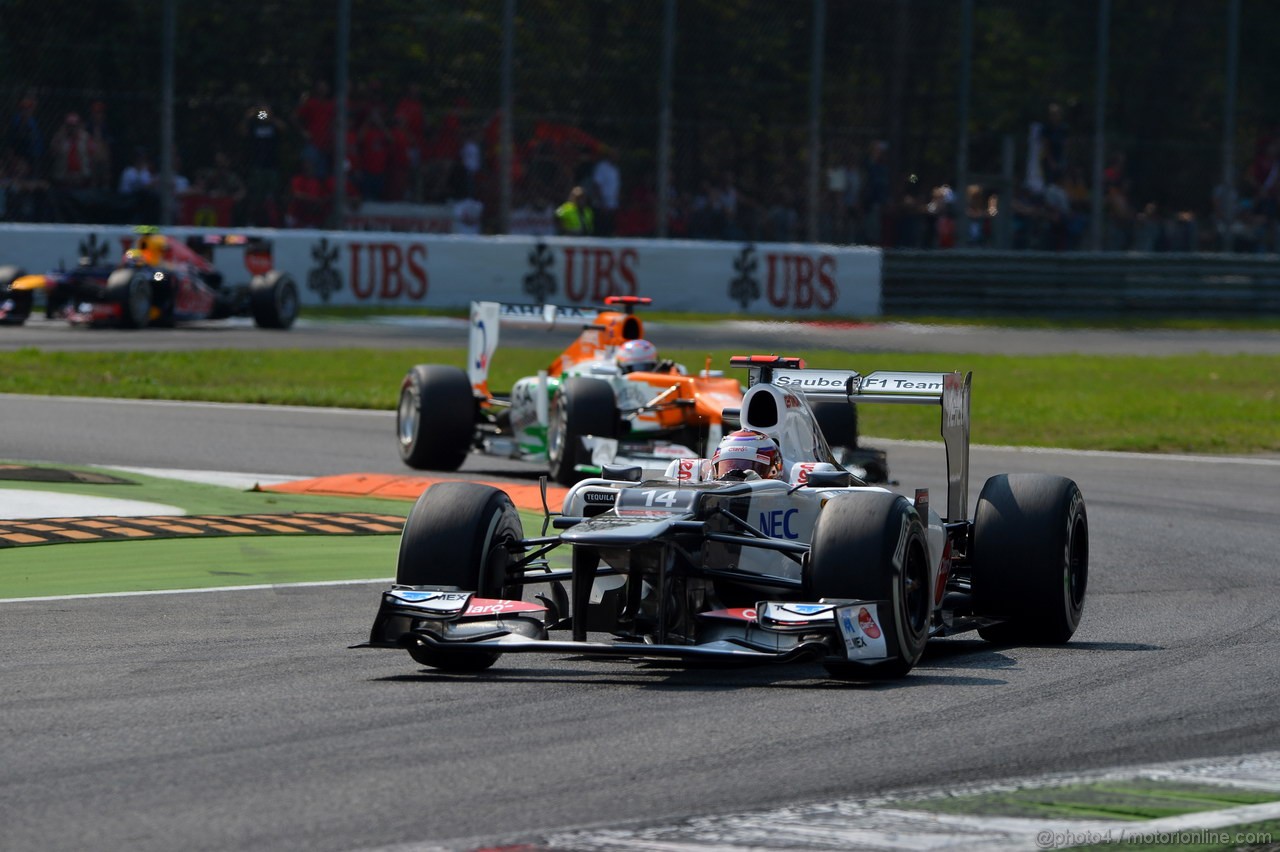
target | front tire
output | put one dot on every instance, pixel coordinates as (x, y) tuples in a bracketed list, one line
[(435, 417), (582, 406), (1030, 558), (273, 298), (131, 289), (871, 545), (457, 534)]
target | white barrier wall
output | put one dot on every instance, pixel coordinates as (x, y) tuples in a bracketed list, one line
[(384, 269)]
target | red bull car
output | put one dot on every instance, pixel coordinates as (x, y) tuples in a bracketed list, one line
[(159, 281), (805, 563), (587, 408)]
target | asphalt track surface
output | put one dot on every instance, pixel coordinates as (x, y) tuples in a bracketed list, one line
[(239, 719)]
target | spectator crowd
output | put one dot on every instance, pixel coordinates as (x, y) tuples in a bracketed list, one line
[(277, 169)]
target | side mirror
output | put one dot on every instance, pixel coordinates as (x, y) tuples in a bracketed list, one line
[(830, 479), (622, 472)]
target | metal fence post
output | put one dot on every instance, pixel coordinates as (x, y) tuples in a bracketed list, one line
[(1229, 121), (342, 75), (166, 112), (815, 114), (664, 115), (1099, 122), (962, 119), (505, 124)]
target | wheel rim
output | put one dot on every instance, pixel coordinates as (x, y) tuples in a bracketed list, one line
[(555, 432), (1077, 565), (288, 307), (915, 588), (140, 300), (407, 417)]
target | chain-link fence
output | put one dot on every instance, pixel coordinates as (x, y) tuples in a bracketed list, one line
[(832, 120)]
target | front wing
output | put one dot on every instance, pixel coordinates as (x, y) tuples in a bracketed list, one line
[(776, 632)]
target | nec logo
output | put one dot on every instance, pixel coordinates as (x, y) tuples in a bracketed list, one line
[(777, 523)]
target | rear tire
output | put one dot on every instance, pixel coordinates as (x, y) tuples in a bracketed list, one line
[(1030, 558), (435, 418), (20, 301), (273, 298), (131, 289), (455, 535), (871, 545), (582, 406)]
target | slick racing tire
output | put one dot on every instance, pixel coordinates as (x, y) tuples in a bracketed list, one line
[(131, 289), (436, 417), (581, 407), (273, 299), (871, 546), (1030, 558), (15, 303), (456, 535)]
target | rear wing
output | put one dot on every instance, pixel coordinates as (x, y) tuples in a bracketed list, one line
[(949, 391), (487, 317)]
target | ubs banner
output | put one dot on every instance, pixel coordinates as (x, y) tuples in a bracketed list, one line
[(386, 269)]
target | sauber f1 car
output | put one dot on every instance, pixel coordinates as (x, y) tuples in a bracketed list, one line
[(159, 281), (584, 410), (815, 565)]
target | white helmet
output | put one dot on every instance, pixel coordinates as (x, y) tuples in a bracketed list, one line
[(638, 355), (747, 452)]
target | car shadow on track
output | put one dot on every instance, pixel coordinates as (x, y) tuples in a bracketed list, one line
[(651, 676), (952, 662)]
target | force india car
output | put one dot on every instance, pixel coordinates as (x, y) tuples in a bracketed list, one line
[(820, 566), (160, 281), (582, 411)]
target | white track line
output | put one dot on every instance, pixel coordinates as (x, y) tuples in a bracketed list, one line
[(268, 586)]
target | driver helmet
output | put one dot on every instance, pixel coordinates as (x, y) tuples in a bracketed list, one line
[(154, 247), (747, 452), (637, 355)]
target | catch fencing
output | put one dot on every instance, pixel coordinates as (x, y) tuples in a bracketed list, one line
[(835, 121)]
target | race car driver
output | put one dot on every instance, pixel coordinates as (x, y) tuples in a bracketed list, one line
[(149, 250), (637, 356), (747, 454)]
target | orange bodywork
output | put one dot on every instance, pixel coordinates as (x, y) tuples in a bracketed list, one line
[(610, 330), (711, 395)]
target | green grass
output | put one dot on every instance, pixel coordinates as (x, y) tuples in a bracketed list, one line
[(193, 563), (1134, 800), (1258, 835), (203, 562), (1183, 403)]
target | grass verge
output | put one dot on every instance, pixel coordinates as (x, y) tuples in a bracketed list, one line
[(1184, 403)]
